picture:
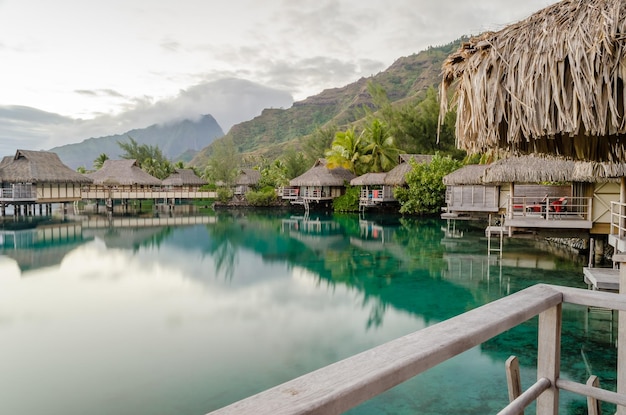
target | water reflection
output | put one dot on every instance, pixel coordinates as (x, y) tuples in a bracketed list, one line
[(156, 315)]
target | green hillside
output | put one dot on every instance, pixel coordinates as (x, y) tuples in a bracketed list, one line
[(405, 80)]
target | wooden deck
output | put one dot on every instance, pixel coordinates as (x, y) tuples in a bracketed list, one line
[(602, 279), (554, 222)]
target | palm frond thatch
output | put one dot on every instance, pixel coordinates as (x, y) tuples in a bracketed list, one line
[(248, 177), (472, 174), (37, 167), (594, 172), (123, 173), (397, 175), (553, 83), (320, 175), (529, 169), (369, 179), (183, 177)]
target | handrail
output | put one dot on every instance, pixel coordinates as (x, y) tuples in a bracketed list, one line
[(618, 219), (340, 386), (529, 396), (550, 207)]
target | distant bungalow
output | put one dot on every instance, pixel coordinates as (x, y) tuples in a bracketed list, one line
[(183, 179), (120, 180), (247, 180), (37, 178), (319, 184), (378, 188)]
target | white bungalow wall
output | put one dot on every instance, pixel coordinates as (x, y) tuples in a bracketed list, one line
[(472, 198), (57, 192)]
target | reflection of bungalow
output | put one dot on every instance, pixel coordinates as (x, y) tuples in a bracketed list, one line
[(467, 195), (319, 184), (378, 188), (38, 177), (183, 179), (247, 180)]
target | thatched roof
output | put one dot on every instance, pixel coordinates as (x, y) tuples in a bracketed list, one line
[(369, 179), (594, 172), (248, 177), (396, 176), (419, 158), (552, 83), (320, 175), (122, 173), (466, 175), (529, 169), (183, 177), (37, 167)]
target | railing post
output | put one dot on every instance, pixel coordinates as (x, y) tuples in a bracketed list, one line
[(549, 359)]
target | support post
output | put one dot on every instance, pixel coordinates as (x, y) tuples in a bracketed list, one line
[(621, 332), (549, 359)]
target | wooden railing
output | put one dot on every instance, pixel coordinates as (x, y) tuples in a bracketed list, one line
[(340, 386), (19, 192), (551, 207), (618, 219)]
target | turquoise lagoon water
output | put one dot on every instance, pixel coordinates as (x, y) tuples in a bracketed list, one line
[(125, 315)]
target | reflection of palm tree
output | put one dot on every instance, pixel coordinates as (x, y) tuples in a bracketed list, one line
[(225, 258), (376, 314), (224, 249)]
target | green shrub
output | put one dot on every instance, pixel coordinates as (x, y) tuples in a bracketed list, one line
[(349, 202), (426, 192), (264, 197), (224, 194)]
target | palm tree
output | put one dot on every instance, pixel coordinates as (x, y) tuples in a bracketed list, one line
[(346, 152), (99, 161), (379, 152)]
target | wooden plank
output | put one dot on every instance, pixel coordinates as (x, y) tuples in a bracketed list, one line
[(602, 278), (591, 298), (338, 387)]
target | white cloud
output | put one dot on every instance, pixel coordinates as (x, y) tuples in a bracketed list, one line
[(124, 62)]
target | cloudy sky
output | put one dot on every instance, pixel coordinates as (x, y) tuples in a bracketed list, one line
[(74, 69)]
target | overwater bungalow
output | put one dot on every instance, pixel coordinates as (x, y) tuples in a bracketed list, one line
[(374, 191), (319, 185), (32, 178), (378, 188), (467, 197), (183, 179), (121, 180), (246, 180), (540, 192)]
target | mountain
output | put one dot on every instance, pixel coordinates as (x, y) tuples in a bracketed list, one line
[(406, 79), (177, 141)]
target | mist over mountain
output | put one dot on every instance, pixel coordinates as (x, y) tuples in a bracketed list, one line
[(177, 140), (271, 132)]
